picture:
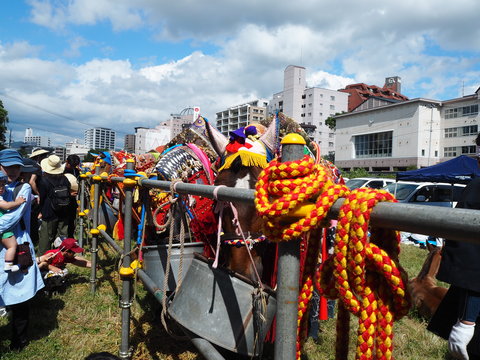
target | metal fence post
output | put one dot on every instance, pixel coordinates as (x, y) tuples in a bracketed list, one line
[(125, 302), (81, 213), (288, 274), (94, 231)]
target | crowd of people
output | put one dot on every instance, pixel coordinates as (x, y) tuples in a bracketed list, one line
[(38, 205)]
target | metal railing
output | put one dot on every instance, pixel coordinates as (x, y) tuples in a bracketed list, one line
[(454, 224)]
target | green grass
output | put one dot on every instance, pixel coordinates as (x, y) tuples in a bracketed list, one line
[(76, 323)]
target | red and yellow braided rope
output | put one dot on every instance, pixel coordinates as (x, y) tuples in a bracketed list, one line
[(364, 272)]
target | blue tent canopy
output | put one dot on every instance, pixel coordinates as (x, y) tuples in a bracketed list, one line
[(461, 170)]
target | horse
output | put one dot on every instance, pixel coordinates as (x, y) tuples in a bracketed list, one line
[(243, 157), (426, 294)]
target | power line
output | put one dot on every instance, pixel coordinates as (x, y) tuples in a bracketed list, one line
[(55, 114)]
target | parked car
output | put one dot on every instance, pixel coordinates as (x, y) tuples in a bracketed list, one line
[(374, 183), (425, 193)]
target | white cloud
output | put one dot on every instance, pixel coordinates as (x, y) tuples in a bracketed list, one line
[(254, 42)]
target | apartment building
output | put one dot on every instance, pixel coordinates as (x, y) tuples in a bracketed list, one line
[(309, 106), (100, 138), (36, 141), (241, 115)]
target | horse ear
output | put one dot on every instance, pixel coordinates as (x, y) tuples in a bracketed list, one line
[(210, 134), (270, 136)]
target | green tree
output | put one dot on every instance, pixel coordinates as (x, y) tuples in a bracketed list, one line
[(3, 125), (331, 121)]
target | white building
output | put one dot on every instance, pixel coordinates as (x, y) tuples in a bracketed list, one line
[(76, 148), (413, 133), (178, 122), (36, 141), (60, 151), (100, 138), (149, 139), (309, 106), (241, 115)]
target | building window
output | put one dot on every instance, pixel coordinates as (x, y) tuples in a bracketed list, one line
[(450, 151), (332, 98), (330, 144), (423, 152), (373, 145), (451, 132), (436, 153), (451, 113), (471, 149), (309, 114), (470, 110), (304, 96), (469, 130), (332, 107)]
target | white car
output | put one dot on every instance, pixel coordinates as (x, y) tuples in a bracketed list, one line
[(374, 183), (426, 193)]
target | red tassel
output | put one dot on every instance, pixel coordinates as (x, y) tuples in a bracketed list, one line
[(323, 311)]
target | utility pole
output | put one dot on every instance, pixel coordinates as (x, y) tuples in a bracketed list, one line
[(431, 106)]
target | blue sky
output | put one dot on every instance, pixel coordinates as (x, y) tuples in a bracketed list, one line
[(69, 65)]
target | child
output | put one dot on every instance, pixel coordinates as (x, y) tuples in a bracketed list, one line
[(55, 260), (8, 239)]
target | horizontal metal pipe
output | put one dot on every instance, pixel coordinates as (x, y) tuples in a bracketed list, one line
[(454, 224), (111, 241), (223, 193)]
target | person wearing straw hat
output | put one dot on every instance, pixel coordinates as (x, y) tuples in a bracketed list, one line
[(18, 288), (54, 218), (39, 154)]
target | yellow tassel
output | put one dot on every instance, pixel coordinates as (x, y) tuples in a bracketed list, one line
[(248, 159)]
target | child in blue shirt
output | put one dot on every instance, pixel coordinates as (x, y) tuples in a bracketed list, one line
[(8, 239)]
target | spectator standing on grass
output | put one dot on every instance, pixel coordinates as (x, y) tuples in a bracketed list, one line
[(39, 154), (461, 269), (72, 207), (54, 218), (72, 165), (18, 288), (31, 174)]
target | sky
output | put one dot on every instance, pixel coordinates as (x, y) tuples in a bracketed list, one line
[(69, 65)]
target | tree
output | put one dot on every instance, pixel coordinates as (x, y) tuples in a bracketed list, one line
[(331, 121), (3, 125)]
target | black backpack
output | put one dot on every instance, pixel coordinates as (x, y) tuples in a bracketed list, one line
[(59, 196)]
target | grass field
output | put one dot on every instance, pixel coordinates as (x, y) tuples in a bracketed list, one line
[(75, 323)]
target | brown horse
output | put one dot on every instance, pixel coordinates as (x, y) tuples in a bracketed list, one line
[(237, 257), (426, 295)]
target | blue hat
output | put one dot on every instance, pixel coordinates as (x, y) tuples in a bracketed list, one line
[(3, 176), (105, 156), (10, 157), (239, 133)]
